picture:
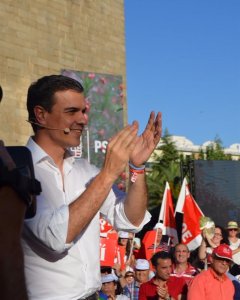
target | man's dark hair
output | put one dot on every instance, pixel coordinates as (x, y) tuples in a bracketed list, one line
[(42, 91), (159, 255)]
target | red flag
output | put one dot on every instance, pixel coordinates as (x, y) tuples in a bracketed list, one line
[(191, 233), (167, 217), (107, 251)]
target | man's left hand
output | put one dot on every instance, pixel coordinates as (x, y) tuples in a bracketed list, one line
[(148, 140)]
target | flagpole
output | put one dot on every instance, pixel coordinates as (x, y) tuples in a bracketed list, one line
[(131, 250), (155, 242)]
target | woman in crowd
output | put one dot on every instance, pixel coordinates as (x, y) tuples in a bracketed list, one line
[(234, 241), (209, 243), (111, 289)]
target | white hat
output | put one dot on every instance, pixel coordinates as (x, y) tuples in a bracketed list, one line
[(232, 225), (142, 264), (129, 269), (108, 278), (123, 234), (158, 226)]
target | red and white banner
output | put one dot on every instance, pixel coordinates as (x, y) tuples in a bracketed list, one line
[(167, 217), (107, 251), (191, 233), (120, 255)]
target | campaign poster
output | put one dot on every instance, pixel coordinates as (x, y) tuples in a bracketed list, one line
[(104, 97)]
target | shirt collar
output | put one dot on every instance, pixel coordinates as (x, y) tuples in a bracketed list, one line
[(40, 154), (216, 276)]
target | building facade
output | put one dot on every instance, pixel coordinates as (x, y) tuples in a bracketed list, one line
[(186, 147), (43, 37)]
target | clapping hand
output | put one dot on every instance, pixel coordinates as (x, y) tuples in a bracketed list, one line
[(148, 140)]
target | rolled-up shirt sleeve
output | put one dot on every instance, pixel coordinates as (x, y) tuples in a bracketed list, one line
[(113, 211), (49, 229)]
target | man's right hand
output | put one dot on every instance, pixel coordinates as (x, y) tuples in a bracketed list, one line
[(119, 150)]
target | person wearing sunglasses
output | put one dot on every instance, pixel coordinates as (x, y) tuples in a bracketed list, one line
[(234, 241)]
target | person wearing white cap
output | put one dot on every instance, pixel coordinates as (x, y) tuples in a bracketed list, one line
[(125, 240), (142, 269), (110, 286), (162, 242), (233, 230)]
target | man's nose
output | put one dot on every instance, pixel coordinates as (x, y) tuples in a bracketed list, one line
[(82, 118)]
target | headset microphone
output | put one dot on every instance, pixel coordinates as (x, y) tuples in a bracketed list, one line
[(65, 130)]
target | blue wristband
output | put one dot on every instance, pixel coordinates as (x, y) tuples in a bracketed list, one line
[(142, 167)]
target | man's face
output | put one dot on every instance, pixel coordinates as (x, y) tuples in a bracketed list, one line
[(159, 235), (142, 275), (181, 254), (68, 111), (109, 288), (220, 265), (163, 269)]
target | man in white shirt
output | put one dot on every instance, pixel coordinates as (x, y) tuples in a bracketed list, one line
[(61, 243)]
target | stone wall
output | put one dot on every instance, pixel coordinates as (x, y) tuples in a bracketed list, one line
[(43, 37)]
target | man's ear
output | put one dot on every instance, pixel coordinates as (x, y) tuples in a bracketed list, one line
[(40, 114)]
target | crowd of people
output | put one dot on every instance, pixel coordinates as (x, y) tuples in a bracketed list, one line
[(209, 272)]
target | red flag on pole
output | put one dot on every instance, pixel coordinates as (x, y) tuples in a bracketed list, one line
[(191, 233), (167, 217)]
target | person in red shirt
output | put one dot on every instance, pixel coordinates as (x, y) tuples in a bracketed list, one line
[(213, 284), (161, 286), (181, 267)]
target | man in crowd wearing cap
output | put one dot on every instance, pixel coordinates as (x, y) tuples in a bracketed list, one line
[(181, 266), (213, 284), (142, 270), (110, 288), (154, 241), (162, 242), (162, 286)]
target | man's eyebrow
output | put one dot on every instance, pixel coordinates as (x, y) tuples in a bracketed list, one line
[(67, 109)]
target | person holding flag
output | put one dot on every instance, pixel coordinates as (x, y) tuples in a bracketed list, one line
[(164, 234)]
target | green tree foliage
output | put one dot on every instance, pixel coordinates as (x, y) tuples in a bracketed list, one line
[(215, 151), (165, 167)]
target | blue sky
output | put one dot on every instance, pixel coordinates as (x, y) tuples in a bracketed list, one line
[(183, 59)]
